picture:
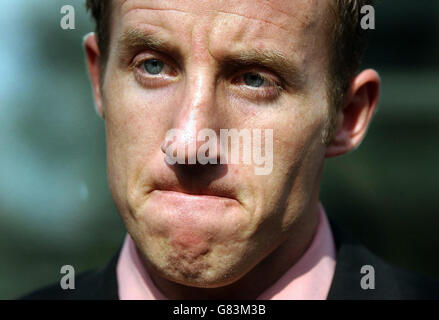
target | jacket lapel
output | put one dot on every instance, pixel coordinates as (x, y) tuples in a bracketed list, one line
[(351, 257)]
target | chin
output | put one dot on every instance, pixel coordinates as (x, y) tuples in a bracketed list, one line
[(205, 266), (196, 241)]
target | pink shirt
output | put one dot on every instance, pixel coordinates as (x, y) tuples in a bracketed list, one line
[(309, 279)]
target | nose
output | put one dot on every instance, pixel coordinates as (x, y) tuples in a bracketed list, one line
[(192, 117)]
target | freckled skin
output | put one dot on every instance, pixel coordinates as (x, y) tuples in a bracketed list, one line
[(237, 246)]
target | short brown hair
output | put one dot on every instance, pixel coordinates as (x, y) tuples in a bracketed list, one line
[(347, 42), (101, 13)]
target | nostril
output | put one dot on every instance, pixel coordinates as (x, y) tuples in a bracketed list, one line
[(170, 138), (165, 145)]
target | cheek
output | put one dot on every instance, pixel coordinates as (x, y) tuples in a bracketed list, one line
[(297, 128), (135, 124), (136, 119), (297, 147), (135, 112)]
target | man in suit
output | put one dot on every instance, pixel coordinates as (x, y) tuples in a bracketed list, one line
[(166, 74)]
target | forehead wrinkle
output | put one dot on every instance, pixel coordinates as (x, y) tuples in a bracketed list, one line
[(313, 6), (305, 21), (307, 13), (157, 9), (251, 18), (139, 5)]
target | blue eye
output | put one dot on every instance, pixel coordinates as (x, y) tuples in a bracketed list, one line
[(253, 79), (153, 66)]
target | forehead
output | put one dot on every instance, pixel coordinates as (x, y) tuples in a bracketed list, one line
[(275, 10), (294, 26)]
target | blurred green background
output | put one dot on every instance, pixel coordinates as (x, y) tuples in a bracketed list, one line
[(55, 206)]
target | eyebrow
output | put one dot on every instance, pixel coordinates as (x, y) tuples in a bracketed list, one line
[(135, 39)]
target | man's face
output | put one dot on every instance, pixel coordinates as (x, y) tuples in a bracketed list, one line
[(192, 65)]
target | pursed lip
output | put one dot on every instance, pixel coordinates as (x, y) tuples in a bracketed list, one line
[(225, 187), (213, 192), (195, 197)]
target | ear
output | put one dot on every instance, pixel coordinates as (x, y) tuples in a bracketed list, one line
[(93, 57), (354, 117)]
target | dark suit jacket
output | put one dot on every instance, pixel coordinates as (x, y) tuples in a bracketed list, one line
[(390, 282)]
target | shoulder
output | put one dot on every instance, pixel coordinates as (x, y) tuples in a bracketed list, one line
[(360, 274), (98, 284)]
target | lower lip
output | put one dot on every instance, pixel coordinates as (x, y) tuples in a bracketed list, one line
[(179, 197)]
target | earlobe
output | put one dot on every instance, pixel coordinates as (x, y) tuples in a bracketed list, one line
[(356, 113), (93, 57)]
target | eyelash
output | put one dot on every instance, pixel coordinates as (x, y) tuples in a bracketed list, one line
[(269, 91), (149, 80)]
